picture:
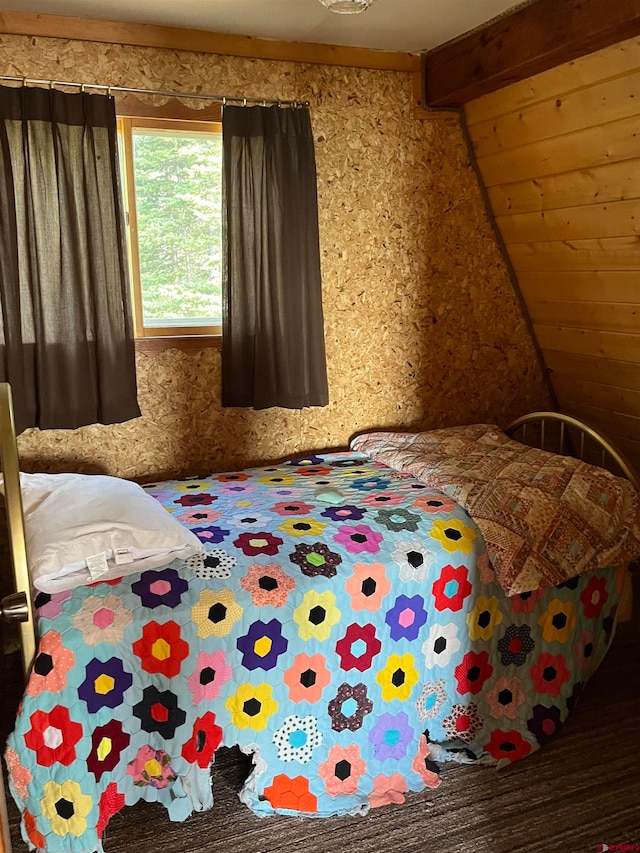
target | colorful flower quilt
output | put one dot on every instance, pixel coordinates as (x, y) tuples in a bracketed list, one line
[(345, 628)]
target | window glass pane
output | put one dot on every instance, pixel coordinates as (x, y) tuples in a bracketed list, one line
[(178, 183)]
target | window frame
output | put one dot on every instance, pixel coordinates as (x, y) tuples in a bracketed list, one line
[(157, 338)]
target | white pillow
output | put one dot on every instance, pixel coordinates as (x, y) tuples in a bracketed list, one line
[(82, 528)]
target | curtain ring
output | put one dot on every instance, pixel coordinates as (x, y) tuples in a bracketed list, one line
[(52, 84), (244, 102), (82, 85), (108, 91), (264, 102), (224, 101)]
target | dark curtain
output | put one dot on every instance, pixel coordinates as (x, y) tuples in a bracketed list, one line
[(273, 331), (67, 337)]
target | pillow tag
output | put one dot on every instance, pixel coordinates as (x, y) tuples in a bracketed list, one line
[(122, 556), (97, 565)]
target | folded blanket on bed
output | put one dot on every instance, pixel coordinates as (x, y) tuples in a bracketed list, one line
[(545, 518)]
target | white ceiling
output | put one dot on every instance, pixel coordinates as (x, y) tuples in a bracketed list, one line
[(398, 25)]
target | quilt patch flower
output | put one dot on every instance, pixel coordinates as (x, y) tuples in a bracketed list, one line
[(452, 588), (453, 535), (557, 621), (398, 678), (370, 484), (251, 706), (349, 707), (111, 802), (151, 767), (406, 617), (50, 606), (583, 649), (161, 649), (278, 479), (515, 645), (314, 470), (53, 736), (398, 519), (191, 486), (345, 512), (440, 645), (544, 723), (315, 560), (414, 559), (199, 516), (201, 499), (379, 499), (105, 684), (472, 673), (462, 723), (211, 535), (431, 699), (388, 789), (159, 712), (391, 736), (484, 618), (205, 739), (358, 647), (317, 615), (307, 678), (434, 503), (269, 585), (302, 527), (593, 597), (20, 775), (359, 538), (296, 738), (425, 766), (216, 564), (215, 613), (367, 586), (292, 508), (252, 544), (50, 668), (235, 477), (507, 745), (210, 674), (66, 807), (33, 834), (307, 460), (549, 674), (156, 588), (342, 770), (291, 794), (526, 602), (107, 744), (248, 520), (262, 645), (102, 619), (505, 698)]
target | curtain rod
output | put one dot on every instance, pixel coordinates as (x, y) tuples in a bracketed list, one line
[(223, 99)]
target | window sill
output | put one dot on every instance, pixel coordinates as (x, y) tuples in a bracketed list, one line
[(185, 343)]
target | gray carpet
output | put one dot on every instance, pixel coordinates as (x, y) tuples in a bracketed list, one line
[(582, 789)]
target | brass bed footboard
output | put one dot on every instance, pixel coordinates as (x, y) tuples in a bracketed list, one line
[(18, 606)]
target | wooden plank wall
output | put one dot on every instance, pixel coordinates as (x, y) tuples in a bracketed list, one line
[(560, 157)]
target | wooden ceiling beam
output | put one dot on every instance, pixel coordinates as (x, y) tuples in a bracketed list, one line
[(539, 36)]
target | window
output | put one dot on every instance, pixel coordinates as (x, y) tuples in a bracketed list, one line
[(172, 175)]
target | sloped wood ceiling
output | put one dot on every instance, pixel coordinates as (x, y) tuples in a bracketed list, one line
[(559, 154), (558, 150)]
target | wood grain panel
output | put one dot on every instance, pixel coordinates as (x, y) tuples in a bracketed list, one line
[(624, 374), (532, 39), (614, 253), (611, 219), (614, 345), (584, 149), (593, 105), (608, 316), (621, 400), (618, 59), (616, 425), (583, 286), (610, 182)]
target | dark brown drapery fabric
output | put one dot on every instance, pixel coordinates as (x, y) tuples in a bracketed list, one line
[(273, 332), (66, 344)]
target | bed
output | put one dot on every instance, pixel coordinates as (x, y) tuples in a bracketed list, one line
[(343, 620)]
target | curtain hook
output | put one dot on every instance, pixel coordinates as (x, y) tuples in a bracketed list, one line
[(244, 102), (52, 84), (82, 85), (108, 91), (264, 102)]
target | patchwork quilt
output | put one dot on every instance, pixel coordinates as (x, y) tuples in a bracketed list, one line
[(345, 628)]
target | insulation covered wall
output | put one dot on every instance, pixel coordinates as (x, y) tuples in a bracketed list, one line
[(422, 325), (560, 156)]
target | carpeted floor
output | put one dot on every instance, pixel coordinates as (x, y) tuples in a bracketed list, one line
[(581, 790)]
